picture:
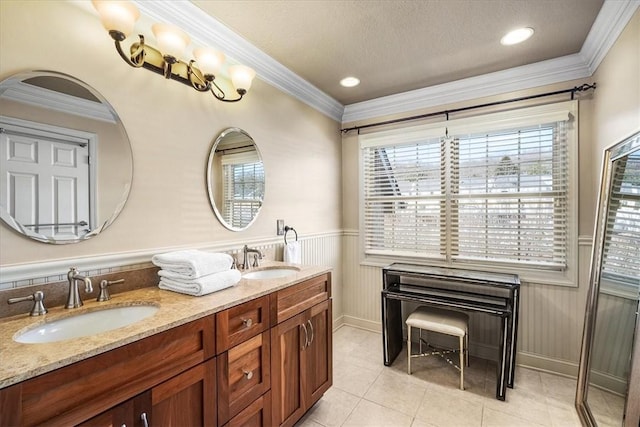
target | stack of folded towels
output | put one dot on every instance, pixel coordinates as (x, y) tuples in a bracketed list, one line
[(195, 272)]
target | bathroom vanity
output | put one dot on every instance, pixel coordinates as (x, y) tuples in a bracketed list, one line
[(259, 353)]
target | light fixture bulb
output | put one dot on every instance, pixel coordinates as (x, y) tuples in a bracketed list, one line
[(172, 41), (516, 36), (241, 77), (350, 82), (208, 60), (118, 16)]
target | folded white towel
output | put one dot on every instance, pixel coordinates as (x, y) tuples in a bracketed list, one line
[(193, 263), (293, 253), (203, 285)]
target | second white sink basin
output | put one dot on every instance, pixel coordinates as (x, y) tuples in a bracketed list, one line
[(85, 324), (271, 273)]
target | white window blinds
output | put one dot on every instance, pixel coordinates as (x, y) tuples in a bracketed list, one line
[(493, 196), (243, 177)]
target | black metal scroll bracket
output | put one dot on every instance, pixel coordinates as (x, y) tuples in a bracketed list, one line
[(286, 230)]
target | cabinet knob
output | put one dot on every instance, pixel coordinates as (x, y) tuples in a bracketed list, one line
[(248, 374), (247, 322)]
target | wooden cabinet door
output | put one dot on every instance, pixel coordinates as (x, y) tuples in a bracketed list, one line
[(317, 356), (134, 412), (287, 340), (188, 399)]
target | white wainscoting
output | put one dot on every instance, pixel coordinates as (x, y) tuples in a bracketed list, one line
[(551, 317), (319, 249)]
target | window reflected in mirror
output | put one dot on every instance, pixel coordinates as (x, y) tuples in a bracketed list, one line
[(235, 179), (609, 376)]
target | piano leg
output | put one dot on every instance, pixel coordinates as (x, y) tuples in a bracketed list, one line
[(391, 329), (513, 334), (503, 359)]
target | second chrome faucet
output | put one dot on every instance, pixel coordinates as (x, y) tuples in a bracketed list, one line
[(74, 300)]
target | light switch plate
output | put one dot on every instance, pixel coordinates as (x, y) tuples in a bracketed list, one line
[(280, 227)]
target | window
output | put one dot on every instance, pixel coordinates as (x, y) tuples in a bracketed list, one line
[(620, 261), (492, 190), (243, 177)]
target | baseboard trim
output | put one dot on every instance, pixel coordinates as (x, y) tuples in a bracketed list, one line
[(547, 364), (526, 360), (368, 325)]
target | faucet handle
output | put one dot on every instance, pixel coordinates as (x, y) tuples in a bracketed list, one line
[(38, 304), (104, 291), (255, 261)]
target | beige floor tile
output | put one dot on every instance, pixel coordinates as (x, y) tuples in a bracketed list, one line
[(334, 408), (562, 414), (419, 423), (373, 415), (559, 387), (352, 378), (534, 410), (444, 410), (493, 418), (399, 392), (367, 393)]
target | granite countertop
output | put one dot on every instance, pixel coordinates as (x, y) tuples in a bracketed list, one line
[(19, 362)]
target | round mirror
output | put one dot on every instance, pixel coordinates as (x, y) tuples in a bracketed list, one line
[(235, 179), (65, 158)]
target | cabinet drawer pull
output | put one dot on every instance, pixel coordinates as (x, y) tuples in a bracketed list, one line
[(306, 336), (313, 335), (143, 417), (247, 322), (248, 374)]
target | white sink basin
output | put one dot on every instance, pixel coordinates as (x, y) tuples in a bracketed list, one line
[(85, 324), (271, 273)]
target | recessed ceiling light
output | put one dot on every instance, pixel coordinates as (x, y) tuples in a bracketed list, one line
[(350, 82), (516, 36)]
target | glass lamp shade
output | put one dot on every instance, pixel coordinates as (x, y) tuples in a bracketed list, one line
[(208, 60), (117, 15), (241, 77), (172, 41)]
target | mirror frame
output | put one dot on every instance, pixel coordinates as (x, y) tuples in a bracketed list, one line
[(611, 154), (209, 178), (100, 226)]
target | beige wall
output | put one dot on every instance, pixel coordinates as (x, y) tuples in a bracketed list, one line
[(551, 317), (172, 128)]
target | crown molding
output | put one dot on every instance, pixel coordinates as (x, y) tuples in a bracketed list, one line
[(208, 31), (610, 22), (52, 100)]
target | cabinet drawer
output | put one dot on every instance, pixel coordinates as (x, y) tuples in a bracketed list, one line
[(258, 414), (244, 374), (242, 322), (295, 299)]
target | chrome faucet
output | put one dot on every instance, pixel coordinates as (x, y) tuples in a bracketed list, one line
[(73, 300), (245, 263)]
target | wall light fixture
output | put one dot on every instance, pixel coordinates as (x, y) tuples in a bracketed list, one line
[(119, 18)]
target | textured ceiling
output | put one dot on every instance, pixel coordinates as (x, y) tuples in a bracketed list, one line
[(396, 46)]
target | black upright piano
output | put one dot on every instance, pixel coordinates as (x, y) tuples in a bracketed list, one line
[(496, 294)]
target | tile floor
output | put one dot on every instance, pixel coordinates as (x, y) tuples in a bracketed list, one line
[(366, 393)]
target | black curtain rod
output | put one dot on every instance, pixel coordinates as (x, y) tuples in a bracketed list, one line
[(573, 91)]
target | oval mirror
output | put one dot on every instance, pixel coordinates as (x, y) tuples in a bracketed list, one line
[(235, 179), (65, 158)]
